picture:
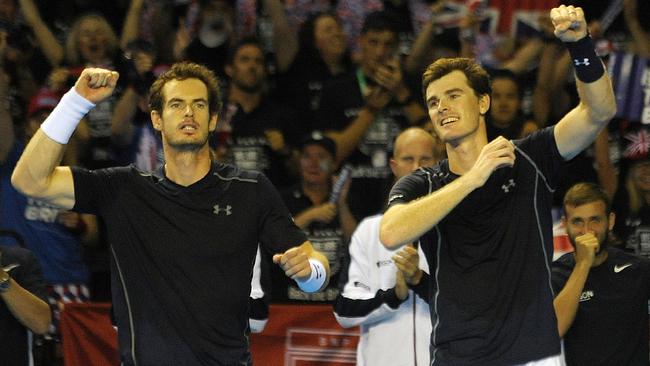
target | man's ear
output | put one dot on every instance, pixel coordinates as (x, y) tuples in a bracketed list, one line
[(156, 120), (212, 124), (612, 220), (484, 104)]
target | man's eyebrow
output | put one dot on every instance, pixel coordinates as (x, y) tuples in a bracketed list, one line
[(447, 92)]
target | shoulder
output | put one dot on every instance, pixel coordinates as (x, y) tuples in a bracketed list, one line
[(232, 173)]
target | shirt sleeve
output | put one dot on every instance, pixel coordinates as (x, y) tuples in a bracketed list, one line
[(412, 186), (94, 188), (278, 230), (560, 272), (361, 302), (541, 148)]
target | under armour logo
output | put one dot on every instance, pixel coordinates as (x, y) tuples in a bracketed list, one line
[(506, 187), (218, 210), (584, 62)]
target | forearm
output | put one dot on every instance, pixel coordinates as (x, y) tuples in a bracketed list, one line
[(283, 35), (303, 219), (405, 223), (31, 311), (347, 221), (123, 114), (567, 301), (48, 43), (36, 166), (420, 49), (348, 139), (130, 28), (525, 56)]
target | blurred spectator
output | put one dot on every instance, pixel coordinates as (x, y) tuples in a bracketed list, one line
[(365, 111), (132, 132), (325, 219), (307, 60), (55, 237), (251, 132), (632, 206), (505, 117), (23, 306), (209, 40)]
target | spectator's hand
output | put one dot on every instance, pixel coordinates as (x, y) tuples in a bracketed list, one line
[(377, 98), (69, 219), (96, 84), (295, 263), (322, 213), (407, 260), (401, 289), (389, 76), (58, 79), (276, 140), (143, 62), (569, 23), (498, 153), (586, 247)]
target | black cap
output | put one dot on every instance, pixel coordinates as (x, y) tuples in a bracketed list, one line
[(318, 138)]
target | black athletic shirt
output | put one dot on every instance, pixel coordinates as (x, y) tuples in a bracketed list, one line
[(183, 258), (611, 325), (491, 296)]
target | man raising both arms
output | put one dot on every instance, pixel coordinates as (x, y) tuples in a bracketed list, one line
[(183, 240), (484, 215)]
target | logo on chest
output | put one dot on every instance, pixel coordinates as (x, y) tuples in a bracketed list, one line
[(221, 211), (586, 295), (508, 186)]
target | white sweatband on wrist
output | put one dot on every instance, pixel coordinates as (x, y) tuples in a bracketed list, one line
[(317, 278), (65, 117)]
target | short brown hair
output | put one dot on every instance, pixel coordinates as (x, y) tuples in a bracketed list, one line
[(477, 77), (584, 193), (182, 71)]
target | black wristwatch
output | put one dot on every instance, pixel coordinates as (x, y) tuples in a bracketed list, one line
[(5, 282)]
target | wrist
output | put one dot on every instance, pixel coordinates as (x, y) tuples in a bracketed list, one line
[(5, 281), (586, 63), (316, 279)]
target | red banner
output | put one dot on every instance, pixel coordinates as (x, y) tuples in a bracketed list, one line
[(294, 336), (304, 336)]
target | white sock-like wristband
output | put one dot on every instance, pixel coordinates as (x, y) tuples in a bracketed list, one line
[(317, 278), (65, 117)]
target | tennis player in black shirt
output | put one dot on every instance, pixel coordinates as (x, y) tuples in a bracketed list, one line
[(484, 214), (184, 239)]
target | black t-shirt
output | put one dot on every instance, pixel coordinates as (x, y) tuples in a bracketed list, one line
[(182, 258), (491, 296), (13, 335), (611, 324), (327, 238)]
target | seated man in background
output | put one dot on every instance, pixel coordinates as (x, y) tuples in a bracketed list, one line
[(602, 291), (23, 306)]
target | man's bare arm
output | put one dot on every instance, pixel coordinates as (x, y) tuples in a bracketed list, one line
[(578, 128), (37, 173)]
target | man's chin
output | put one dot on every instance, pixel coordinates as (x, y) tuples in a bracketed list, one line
[(188, 146)]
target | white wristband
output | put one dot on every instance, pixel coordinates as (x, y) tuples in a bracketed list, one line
[(65, 117), (317, 278)]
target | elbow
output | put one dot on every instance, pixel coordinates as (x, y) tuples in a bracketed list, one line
[(606, 111), (43, 323), (387, 236), (20, 181)]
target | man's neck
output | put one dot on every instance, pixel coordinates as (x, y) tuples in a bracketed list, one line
[(317, 193), (248, 101), (187, 167), (600, 258), (463, 154)]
